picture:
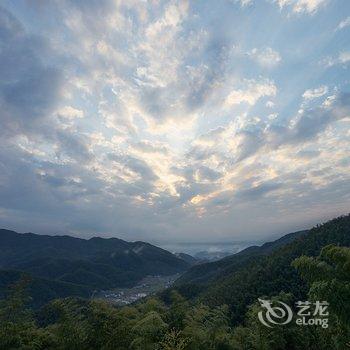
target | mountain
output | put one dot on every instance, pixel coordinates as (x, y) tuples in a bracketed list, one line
[(240, 279), (188, 258), (208, 256), (69, 263), (204, 273), (41, 290), (223, 312)]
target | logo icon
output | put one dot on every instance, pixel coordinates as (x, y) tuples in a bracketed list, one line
[(274, 315)]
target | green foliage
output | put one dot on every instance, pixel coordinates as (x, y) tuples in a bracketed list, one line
[(177, 311), (239, 280), (207, 323), (148, 331), (63, 266), (173, 340), (151, 304), (207, 328), (328, 276), (255, 336), (17, 327)]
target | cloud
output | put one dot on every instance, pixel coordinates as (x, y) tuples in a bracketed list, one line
[(343, 24), (30, 87), (206, 174), (72, 145), (302, 6), (258, 191), (150, 120), (266, 57), (252, 92), (305, 126), (342, 58), (308, 123), (148, 147), (315, 93), (70, 113), (244, 3), (248, 143), (308, 154)]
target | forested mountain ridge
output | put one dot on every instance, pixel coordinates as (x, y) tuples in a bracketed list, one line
[(202, 274), (17, 248), (42, 290), (210, 321), (75, 323), (65, 265), (241, 283)]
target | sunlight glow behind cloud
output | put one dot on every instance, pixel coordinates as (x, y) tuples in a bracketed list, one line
[(173, 120)]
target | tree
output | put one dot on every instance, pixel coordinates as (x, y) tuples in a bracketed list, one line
[(72, 329), (328, 276), (148, 332), (207, 329), (177, 311), (17, 327), (173, 340)]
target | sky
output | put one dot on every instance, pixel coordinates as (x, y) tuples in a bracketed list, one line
[(174, 121)]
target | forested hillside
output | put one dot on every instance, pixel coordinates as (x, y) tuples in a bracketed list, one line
[(204, 273), (68, 324), (62, 265), (315, 266), (243, 277)]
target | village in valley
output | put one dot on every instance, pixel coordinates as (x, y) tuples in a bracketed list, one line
[(147, 286)]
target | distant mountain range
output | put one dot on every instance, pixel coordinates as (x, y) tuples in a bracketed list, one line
[(208, 256), (62, 265)]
